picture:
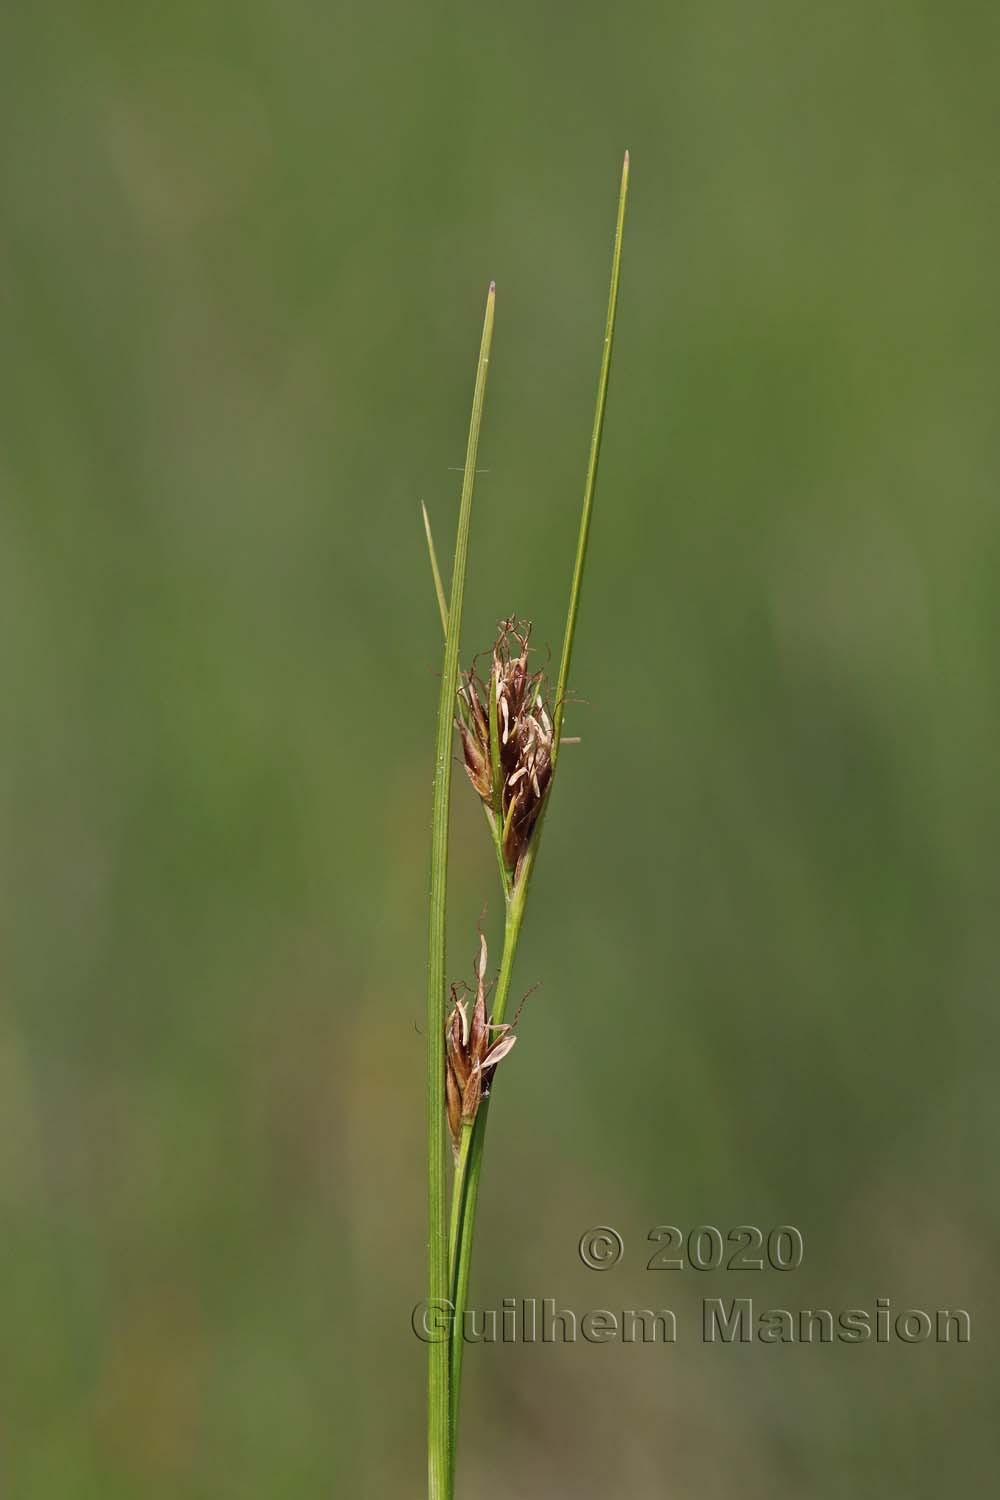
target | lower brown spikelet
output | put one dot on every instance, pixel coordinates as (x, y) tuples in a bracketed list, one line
[(470, 1055)]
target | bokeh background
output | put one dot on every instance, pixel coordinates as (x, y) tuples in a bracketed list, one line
[(243, 256)]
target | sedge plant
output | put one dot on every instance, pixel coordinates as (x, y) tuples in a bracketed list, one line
[(510, 736)]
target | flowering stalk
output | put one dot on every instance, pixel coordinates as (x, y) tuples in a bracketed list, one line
[(510, 745), (525, 852)]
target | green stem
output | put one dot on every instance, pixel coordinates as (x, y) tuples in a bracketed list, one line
[(458, 1198), (517, 893), (496, 834), (439, 1469)]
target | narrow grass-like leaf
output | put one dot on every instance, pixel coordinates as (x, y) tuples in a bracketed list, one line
[(592, 464), (439, 1469), (436, 572)]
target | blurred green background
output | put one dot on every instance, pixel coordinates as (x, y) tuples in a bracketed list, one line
[(243, 256)]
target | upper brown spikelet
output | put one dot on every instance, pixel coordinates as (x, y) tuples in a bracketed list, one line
[(523, 738), (470, 1055)]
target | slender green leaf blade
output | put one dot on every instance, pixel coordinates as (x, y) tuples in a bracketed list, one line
[(435, 571), (592, 464), (439, 1475)]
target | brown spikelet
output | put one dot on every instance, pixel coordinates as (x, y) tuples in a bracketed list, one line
[(470, 1054), (524, 739)]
